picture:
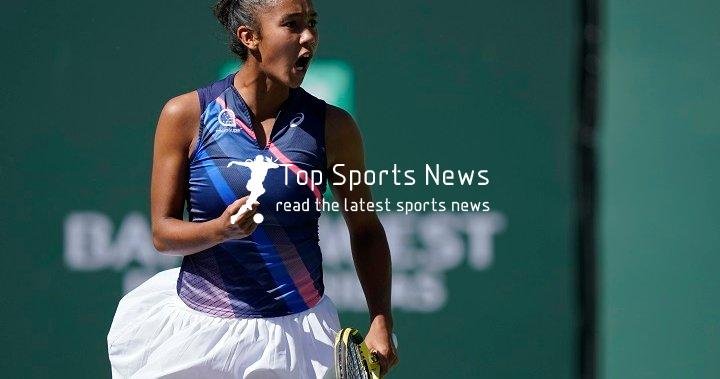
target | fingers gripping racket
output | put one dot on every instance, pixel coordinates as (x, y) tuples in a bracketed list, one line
[(353, 359)]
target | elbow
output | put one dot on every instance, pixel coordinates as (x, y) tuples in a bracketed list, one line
[(164, 248), (159, 246), (369, 230), (164, 238), (159, 243), (368, 235)]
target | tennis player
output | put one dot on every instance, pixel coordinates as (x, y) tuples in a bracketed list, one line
[(248, 300)]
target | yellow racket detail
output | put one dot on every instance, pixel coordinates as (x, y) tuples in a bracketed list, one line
[(353, 359)]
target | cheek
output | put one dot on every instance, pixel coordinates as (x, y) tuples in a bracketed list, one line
[(278, 47)]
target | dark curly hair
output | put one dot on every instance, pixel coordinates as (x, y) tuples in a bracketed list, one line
[(234, 13)]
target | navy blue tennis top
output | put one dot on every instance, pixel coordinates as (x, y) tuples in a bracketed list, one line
[(277, 270)]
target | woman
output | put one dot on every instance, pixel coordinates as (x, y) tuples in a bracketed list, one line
[(248, 300)]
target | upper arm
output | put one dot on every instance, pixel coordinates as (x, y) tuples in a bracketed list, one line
[(175, 135), (345, 152)]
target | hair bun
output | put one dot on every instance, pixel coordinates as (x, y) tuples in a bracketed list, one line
[(222, 10)]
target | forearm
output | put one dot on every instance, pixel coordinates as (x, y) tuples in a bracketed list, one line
[(177, 237), (371, 255)]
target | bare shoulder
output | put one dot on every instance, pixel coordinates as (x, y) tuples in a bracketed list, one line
[(343, 141), (179, 120), (340, 127), (182, 108)]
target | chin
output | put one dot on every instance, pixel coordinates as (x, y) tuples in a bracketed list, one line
[(295, 77), (295, 83)]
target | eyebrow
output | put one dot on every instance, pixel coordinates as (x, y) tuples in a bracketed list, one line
[(299, 14)]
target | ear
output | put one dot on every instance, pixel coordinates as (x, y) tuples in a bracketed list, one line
[(248, 37)]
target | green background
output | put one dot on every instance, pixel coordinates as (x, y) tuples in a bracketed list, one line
[(466, 84), (659, 225)]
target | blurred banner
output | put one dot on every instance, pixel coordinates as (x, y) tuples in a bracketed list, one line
[(463, 86)]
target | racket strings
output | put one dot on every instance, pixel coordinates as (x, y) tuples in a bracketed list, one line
[(352, 360), (351, 364), (357, 367)]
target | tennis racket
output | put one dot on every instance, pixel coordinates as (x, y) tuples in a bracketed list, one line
[(353, 359)]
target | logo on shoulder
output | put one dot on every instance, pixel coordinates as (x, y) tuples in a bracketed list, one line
[(227, 117), (297, 120)]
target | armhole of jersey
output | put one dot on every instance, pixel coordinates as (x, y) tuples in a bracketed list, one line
[(201, 126), (206, 95), (193, 155)]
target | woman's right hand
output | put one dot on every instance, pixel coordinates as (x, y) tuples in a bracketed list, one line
[(244, 225)]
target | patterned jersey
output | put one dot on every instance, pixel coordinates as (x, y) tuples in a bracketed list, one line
[(277, 270)]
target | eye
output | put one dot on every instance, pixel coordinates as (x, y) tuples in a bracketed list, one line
[(290, 24), (313, 23)]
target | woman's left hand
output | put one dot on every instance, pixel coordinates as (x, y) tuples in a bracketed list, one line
[(379, 339)]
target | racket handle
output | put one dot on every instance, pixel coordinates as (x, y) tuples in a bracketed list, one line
[(374, 366)]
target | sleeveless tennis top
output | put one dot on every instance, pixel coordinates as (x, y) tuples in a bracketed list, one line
[(277, 270)]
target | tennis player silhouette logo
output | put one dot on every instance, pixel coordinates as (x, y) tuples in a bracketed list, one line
[(258, 171)]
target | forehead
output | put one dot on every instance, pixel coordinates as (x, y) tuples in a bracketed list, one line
[(287, 7)]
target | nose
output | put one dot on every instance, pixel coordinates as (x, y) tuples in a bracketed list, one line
[(309, 37)]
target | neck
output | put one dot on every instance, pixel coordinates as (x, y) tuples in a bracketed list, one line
[(263, 95)]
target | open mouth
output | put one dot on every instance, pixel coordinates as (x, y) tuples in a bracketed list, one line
[(303, 62)]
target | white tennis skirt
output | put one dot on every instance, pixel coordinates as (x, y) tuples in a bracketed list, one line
[(156, 335)]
